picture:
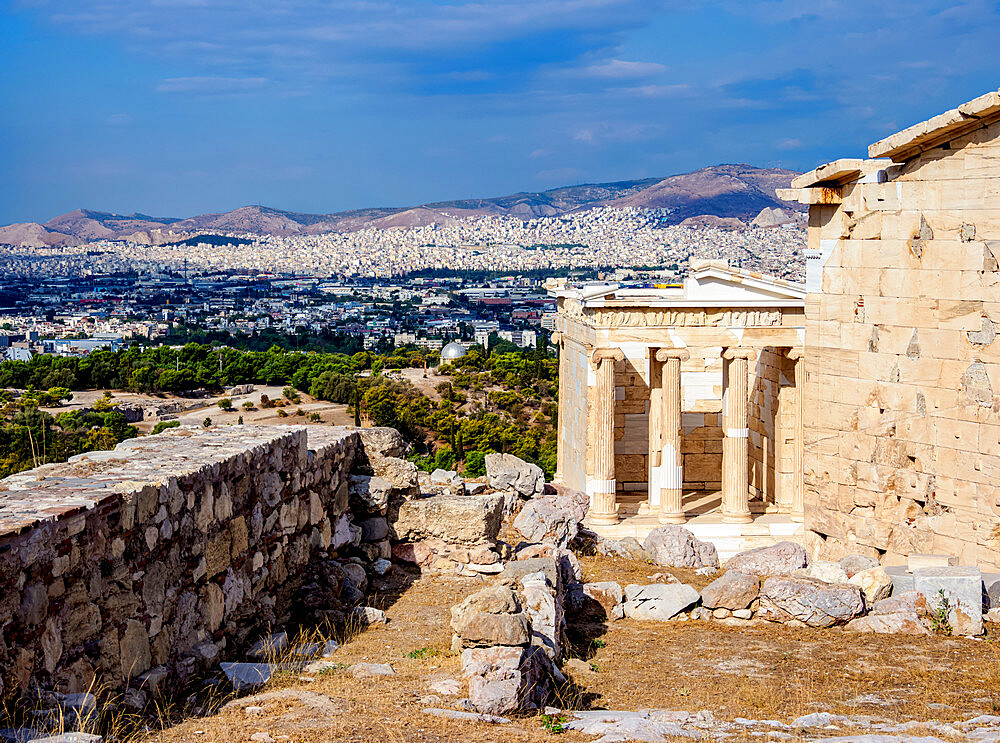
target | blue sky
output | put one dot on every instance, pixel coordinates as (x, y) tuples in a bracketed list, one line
[(180, 107)]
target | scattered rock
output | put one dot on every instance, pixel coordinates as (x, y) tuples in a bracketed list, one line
[(608, 595), (674, 546), (507, 472), (856, 563), (381, 566), (549, 519), (457, 519), (453, 714), (244, 675), (659, 601), (367, 615), (371, 670), (809, 601), (777, 559), (269, 648), (445, 477), (369, 494), (577, 667), (825, 571), (447, 687), (874, 583), (508, 679), (733, 590)]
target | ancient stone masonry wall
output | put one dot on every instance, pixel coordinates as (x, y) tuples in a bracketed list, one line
[(156, 560), (902, 446)]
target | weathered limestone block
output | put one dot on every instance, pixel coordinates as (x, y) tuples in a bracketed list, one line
[(777, 559), (856, 563), (675, 546), (658, 601), (508, 679), (456, 519), (608, 595), (507, 472), (369, 494), (732, 590), (823, 570), (381, 441), (809, 601), (551, 519), (543, 602), (874, 583)]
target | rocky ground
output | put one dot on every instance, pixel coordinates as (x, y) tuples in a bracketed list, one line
[(501, 618), (705, 679)]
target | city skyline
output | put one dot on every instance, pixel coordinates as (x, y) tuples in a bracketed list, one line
[(195, 106)]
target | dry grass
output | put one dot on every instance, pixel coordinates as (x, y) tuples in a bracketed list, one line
[(763, 672)]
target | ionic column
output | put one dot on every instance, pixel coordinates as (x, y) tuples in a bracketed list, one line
[(603, 508), (671, 460), (735, 453), (798, 444), (556, 338), (651, 506)]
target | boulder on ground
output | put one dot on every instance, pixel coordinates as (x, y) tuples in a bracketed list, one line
[(905, 614), (856, 563), (492, 616), (607, 595), (777, 559), (674, 546), (457, 519), (824, 570), (447, 478), (508, 679), (791, 598), (732, 590), (507, 472), (550, 519), (874, 583), (659, 601)]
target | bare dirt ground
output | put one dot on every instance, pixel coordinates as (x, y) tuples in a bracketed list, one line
[(760, 672), (197, 409)]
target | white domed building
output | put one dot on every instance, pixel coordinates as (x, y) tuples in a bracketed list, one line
[(452, 352)]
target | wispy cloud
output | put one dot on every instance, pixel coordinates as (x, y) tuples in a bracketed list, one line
[(211, 85), (620, 68)]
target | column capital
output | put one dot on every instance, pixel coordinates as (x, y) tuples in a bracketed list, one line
[(739, 352), (673, 353), (556, 337), (795, 354), (603, 354)]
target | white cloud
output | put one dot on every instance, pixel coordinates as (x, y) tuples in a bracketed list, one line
[(210, 85), (623, 69)]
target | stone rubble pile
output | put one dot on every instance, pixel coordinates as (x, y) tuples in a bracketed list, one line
[(779, 584), (511, 635)]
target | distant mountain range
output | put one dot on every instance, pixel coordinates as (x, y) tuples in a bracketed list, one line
[(720, 195)]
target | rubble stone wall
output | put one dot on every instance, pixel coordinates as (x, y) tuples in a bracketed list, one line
[(902, 429), (167, 553)]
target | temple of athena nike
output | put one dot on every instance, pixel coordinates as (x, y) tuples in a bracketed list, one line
[(679, 405), (856, 413)]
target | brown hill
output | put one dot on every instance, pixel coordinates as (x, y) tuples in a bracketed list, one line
[(739, 191), (725, 193), (33, 235)]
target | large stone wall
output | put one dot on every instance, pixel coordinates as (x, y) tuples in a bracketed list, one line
[(168, 553), (902, 421)]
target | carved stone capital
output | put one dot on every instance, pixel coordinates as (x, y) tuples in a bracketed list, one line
[(556, 337), (602, 354), (739, 352), (795, 354), (673, 353)]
